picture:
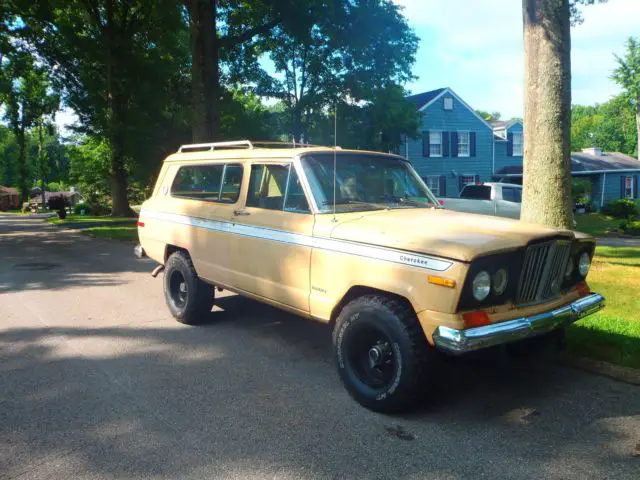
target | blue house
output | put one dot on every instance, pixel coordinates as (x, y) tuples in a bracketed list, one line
[(457, 146)]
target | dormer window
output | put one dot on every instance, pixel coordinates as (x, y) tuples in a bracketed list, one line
[(517, 144), (448, 103)]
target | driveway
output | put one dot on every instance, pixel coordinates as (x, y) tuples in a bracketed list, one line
[(98, 381), (619, 241)]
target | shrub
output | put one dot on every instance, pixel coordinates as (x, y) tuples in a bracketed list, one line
[(80, 207), (623, 208)]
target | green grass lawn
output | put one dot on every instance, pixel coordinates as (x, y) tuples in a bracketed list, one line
[(89, 218), (612, 335), (600, 225), (123, 233)]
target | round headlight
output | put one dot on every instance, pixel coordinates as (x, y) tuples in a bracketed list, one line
[(570, 266), (500, 279), (584, 262), (481, 286)]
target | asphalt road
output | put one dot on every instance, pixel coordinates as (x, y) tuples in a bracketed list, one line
[(98, 381)]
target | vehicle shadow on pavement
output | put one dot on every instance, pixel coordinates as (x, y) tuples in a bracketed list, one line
[(254, 394)]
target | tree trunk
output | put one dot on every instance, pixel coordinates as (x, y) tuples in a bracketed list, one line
[(296, 124), (115, 111), (22, 166), (547, 113), (41, 163), (205, 81)]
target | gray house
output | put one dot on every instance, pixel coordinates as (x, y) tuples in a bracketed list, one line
[(458, 147)]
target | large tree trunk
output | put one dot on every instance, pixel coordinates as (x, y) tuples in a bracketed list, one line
[(115, 102), (205, 81), (22, 165), (41, 164), (296, 124), (547, 113)]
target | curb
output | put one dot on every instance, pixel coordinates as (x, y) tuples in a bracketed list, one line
[(617, 372)]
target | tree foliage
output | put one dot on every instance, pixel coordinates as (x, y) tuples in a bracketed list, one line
[(627, 75), (116, 61), (610, 126), (489, 116), (27, 98), (348, 52), (144, 77)]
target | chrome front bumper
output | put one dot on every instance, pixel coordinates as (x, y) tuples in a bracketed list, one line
[(463, 341)]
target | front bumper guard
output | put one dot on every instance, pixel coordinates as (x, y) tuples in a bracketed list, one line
[(456, 341)]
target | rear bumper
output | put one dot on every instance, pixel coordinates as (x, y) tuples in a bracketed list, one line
[(462, 341)]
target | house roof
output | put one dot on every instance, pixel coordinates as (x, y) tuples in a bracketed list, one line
[(421, 99), (48, 195), (8, 190), (585, 162)]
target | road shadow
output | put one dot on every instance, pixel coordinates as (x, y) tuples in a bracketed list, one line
[(37, 256), (255, 394)]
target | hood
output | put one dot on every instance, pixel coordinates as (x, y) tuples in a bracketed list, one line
[(444, 233)]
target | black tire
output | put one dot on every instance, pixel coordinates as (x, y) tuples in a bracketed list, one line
[(371, 328), (189, 299)]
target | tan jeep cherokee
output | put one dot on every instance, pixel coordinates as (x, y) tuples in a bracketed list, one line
[(356, 239)]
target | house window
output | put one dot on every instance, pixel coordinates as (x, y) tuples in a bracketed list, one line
[(628, 187), (463, 144), (435, 144), (433, 182), (467, 179), (448, 103), (517, 144)]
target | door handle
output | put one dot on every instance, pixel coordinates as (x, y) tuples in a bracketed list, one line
[(239, 213)]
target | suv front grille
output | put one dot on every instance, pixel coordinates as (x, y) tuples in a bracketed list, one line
[(543, 271)]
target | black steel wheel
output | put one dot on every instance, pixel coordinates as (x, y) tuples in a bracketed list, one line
[(382, 355), (189, 298)]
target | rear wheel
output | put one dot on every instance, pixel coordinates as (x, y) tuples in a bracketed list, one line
[(382, 355), (189, 299)]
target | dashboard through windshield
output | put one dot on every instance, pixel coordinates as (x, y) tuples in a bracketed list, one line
[(364, 182)]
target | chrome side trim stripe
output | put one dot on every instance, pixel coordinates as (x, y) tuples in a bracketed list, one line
[(341, 246)]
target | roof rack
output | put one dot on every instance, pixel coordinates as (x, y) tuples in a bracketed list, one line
[(203, 147), (199, 147)]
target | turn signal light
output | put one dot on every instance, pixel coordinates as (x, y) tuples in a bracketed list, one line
[(475, 319), (140, 224), (444, 282), (583, 289)]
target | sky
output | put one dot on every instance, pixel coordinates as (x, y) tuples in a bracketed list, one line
[(475, 48)]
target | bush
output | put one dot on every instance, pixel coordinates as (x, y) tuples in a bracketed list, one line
[(623, 208)]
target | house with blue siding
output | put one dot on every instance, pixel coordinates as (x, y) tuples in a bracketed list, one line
[(457, 147)]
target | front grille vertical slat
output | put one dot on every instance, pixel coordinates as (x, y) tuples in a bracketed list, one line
[(542, 271)]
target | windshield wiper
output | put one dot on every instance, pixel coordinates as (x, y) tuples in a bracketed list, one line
[(406, 202), (354, 202)]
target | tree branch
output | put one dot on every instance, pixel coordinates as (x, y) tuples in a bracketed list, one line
[(231, 40)]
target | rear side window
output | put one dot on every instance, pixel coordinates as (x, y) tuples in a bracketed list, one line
[(511, 194), (276, 187), (476, 192), (214, 183)]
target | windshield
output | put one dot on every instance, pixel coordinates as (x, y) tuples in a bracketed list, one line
[(365, 182)]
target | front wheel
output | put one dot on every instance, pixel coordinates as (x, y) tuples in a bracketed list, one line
[(189, 299), (382, 354)]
